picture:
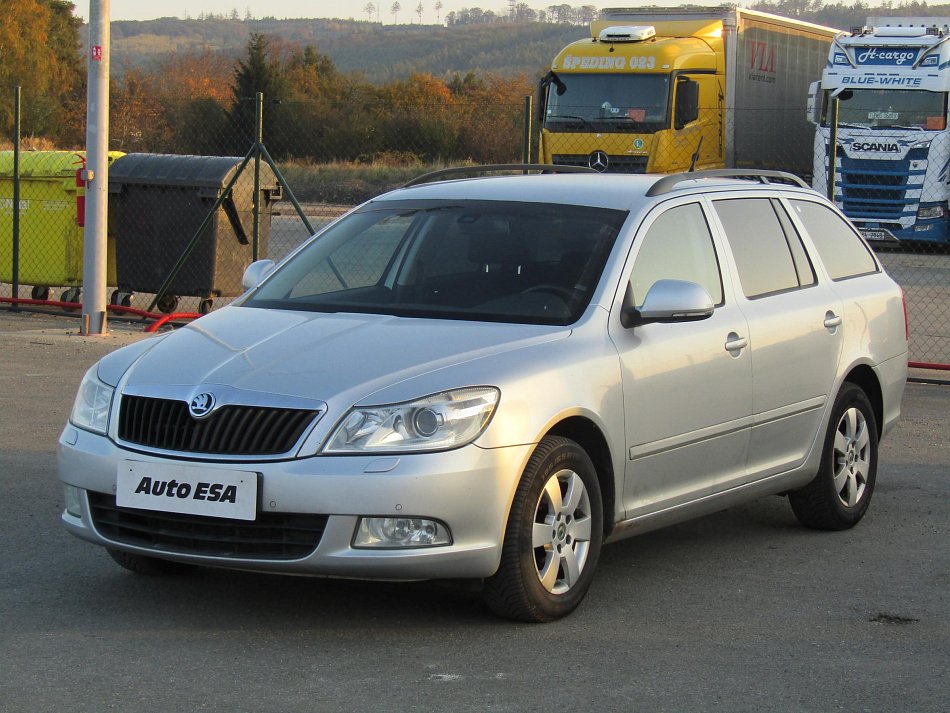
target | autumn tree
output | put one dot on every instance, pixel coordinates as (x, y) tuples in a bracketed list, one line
[(39, 51)]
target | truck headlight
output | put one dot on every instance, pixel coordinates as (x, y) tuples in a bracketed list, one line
[(449, 419), (91, 408), (933, 211)]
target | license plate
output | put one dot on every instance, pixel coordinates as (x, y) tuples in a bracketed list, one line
[(187, 489), (875, 234)]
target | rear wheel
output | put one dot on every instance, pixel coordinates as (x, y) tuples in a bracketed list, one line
[(840, 494), (141, 564), (552, 541)]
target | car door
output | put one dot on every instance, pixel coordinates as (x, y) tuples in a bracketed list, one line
[(687, 387), (794, 325)]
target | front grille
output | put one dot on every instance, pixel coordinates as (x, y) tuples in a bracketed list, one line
[(878, 190), (230, 430), (615, 164), (272, 536)]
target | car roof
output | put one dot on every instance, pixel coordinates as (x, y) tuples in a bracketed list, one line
[(598, 190)]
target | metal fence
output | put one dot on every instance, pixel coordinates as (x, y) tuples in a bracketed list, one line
[(184, 221)]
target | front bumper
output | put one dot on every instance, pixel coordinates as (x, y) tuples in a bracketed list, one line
[(469, 489)]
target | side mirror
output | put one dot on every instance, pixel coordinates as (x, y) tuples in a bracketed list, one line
[(546, 81), (687, 102), (668, 301), (813, 105), (256, 272)]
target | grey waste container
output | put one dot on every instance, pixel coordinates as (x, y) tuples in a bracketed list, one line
[(158, 202)]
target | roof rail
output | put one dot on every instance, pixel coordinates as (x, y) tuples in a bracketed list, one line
[(665, 184), (496, 167)]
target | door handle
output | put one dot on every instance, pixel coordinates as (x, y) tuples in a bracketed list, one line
[(735, 343), (832, 321)]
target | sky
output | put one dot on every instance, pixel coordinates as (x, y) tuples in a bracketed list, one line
[(148, 10)]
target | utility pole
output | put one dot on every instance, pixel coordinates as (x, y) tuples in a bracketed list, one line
[(96, 174)]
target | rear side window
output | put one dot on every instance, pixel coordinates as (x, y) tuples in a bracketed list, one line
[(759, 245), (843, 253)]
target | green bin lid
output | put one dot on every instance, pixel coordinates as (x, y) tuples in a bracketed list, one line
[(47, 164)]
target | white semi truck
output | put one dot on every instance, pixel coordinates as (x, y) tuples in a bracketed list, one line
[(882, 149)]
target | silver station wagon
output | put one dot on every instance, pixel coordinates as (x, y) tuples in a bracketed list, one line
[(489, 378)]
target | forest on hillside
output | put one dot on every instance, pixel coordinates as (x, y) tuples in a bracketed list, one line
[(335, 90)]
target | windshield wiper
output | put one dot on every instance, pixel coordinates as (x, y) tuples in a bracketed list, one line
[(581, 119), (903, 128)]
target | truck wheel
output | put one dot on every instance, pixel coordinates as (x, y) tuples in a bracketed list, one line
[(148, 565), (840, 494), (552, 541)]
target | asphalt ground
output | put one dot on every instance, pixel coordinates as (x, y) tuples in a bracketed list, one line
[(738, 611)]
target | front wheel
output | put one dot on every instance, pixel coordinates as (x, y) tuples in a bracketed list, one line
[(552, 541), (840, 494)]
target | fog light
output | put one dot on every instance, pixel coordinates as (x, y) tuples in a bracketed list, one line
[(73, 497), (397, 532)]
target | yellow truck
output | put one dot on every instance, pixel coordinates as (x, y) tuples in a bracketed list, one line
[(660, 90)]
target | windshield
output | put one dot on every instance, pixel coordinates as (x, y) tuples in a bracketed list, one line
[(474, 260), (890, 109), (630, 103)]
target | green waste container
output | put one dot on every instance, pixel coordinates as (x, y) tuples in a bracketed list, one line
[(51, 222), (160, 200)]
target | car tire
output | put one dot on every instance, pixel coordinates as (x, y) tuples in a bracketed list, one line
[(152, 566), (553, 537), (840, 494)]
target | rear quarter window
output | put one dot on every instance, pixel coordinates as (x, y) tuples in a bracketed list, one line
[(840, 248)]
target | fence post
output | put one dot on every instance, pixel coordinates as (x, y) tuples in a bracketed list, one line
[(258, 142), (16, 195), (526, 140)]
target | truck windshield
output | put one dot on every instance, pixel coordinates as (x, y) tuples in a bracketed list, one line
[(890, 109), (494, 261), (621, 103)]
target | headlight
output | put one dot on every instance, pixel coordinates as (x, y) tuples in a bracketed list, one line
[(932, 211), (446, 420), (91, 408)]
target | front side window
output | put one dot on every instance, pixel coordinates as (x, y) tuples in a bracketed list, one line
[(632, 103), (678, 246), (473, 260), (843, 253)]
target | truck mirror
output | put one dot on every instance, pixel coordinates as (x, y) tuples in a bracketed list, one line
[(687, 102), (546, 81)]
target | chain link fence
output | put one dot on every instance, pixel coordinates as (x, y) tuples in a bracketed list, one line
[(184, 221)]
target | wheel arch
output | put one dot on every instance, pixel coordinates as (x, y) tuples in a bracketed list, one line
[(588, 436), (863, 376)]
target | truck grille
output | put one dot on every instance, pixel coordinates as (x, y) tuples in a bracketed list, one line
[(880, 190), (231, 430), (272, 536), (615, 164)]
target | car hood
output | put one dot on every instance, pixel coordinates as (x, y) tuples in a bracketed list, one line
[(317, 355)]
